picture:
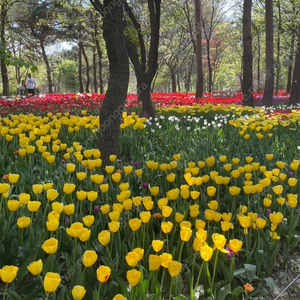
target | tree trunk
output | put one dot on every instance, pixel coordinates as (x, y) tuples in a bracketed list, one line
[(113, 105), (48, 68), (278, 65), (4, 72), (87, 65), (269, 80), (145, 72), (290, 70), (80, 67), (144, 96), (295, 93), (173, 77), (247, 84), (95, 70), (100, 56), (198, 48)]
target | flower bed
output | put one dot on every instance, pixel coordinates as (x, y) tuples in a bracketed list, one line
[(199, 202)]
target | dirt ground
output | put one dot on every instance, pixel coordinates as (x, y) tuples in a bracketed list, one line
[(286, 278)]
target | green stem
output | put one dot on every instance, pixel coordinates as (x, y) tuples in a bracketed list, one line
[(47, 296), (133, 240), (5, 291), (170, 291), (180, 252), (215, 268), (162, 279), (200, 271), (132, 293), (75, 248), (99, 290)]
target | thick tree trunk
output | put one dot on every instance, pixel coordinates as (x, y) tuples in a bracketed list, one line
[(144, 96), (87, 72), (247, 84), (145, 72), (80, 67), (113, 105), (269, 80), (198, 50), (295, 93), (48, 68)]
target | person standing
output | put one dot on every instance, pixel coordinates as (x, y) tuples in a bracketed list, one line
[(31, 83), (21, 88)]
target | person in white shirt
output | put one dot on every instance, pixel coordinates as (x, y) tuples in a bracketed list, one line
[(21, 88), (31, 83)]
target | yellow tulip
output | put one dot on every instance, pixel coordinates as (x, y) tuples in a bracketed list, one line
[(24, 198), (92, 196), (36, 267), (134, 224), (219, 242), (132, 259), (199, 224), (52, 224), (174, 268), (71, 167), (13, 205), (89, 258), (211, 191), (51, 282), (133, 277), (23, 222), (154, 262), (104, 187), (8, 273), (167, 211), (179, 217), (52, 194), (81, 195), (78, 292), (166, 258), (116, 177), (235, 245), (206, 252), (37, 188), (50, 245), (69, 188), (69, 209), (166, 227), (105, 209), (104, 237), (57, 206), (85, 235), (185, 234), (88, 221), (75, 230), (13, 178), (213, 204), (119, 297), (194, 210), (195, 195), (157, 245), (103, 273), (154, 190), (145, 217), (113, 226)]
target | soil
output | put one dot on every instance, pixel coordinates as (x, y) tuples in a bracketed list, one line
[(288, 279)]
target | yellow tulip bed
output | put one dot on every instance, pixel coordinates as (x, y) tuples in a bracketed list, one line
[(199, 204)]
